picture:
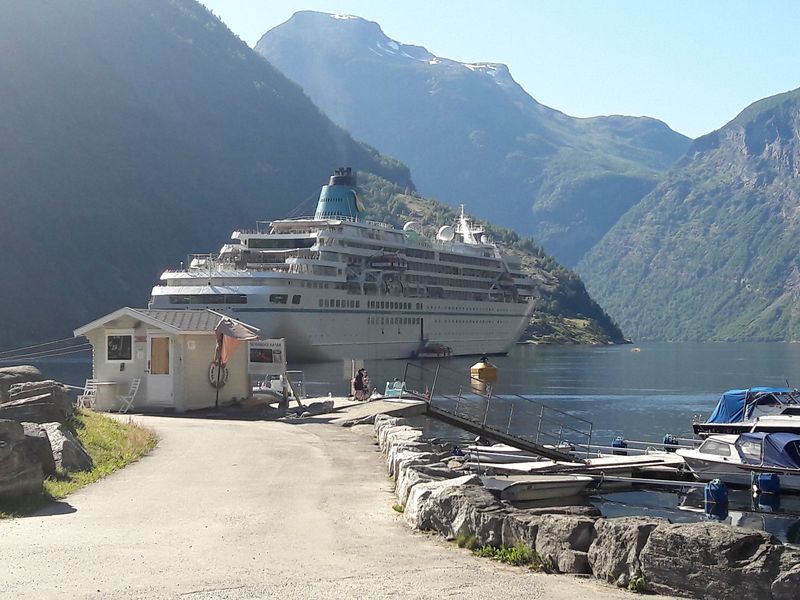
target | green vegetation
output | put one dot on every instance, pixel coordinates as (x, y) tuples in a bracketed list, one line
[(637, 584), (565, 313), (470, 542), (398, 508), (711, 253), (520, 555), (111, 444)]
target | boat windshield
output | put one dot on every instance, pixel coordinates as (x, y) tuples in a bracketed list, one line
[(715, 447)]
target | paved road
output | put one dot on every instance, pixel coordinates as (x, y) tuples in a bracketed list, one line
[(234, 509)]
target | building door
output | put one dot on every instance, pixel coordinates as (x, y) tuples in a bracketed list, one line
[(159, 378)]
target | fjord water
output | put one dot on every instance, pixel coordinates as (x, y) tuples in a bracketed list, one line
[(638, 394)]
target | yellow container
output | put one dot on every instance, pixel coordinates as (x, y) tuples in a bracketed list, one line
[(484, 371)]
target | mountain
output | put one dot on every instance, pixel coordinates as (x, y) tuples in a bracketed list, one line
[(711, 253), (471, 134), (132, 133)]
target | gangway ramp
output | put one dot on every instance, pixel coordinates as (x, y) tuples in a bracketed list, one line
[(521, 422)]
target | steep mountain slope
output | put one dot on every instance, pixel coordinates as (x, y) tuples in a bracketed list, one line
[(471, 134), (131, 133), (711, 253)]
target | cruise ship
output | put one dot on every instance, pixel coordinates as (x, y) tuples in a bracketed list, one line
[(338, 286)]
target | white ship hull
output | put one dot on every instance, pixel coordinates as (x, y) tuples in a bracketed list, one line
[(315, 334)]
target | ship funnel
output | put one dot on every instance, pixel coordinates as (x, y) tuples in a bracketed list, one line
[(340, 197)]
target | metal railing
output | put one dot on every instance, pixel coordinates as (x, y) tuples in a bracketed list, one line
[(510, 417)]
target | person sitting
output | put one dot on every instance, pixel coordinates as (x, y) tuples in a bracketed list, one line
[(359, 385)]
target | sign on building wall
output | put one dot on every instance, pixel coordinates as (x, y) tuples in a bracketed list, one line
[(266, 357)]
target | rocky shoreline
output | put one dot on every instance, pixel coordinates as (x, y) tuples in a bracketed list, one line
[(699, 560), (35, 441)]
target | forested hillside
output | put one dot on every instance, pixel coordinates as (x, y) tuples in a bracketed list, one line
[(133, 132), (712, 253)]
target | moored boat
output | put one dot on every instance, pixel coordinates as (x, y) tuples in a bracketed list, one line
[(735, 458), (765, 409)]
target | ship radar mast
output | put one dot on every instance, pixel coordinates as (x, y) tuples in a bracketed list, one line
[(469, 233)]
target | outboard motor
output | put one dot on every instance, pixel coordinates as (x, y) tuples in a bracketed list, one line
[(619, 442)]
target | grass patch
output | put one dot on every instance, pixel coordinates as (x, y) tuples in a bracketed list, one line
[(519, 555), (112, 445), (637, 584), (470, 542), (398, 508)]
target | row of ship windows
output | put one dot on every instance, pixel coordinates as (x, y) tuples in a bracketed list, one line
[(392, 305), (469, 321), (337, 303), (394, 320)]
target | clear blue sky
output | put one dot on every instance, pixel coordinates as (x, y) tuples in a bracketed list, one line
[(693, 64)]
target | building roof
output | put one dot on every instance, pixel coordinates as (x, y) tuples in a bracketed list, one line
[(176, 321)]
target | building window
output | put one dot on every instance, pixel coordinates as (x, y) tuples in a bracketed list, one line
[(118, 347)]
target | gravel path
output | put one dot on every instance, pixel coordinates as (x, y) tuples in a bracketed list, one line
[(236, 509)]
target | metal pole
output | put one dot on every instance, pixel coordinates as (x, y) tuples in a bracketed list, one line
[(435, 377), (510, 414), (539, 427), (486, 414)]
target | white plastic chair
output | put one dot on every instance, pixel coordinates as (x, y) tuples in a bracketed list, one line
[(126, 401), (87, 398)]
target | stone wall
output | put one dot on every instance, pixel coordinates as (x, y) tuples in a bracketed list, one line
[(697, 560)]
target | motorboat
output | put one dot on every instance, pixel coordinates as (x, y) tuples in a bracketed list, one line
[(734, 458), (527, 488), (754, 409)]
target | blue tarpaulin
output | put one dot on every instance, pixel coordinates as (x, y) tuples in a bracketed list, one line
[(777, 449), (730, 408)]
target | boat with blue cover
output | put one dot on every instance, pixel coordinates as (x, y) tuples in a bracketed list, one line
[(769, 409)]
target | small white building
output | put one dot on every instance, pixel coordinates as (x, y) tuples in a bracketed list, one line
[(172, 353)]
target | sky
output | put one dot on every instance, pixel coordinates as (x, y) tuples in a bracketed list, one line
[(693, 64)]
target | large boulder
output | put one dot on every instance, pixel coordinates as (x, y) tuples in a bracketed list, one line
[(36, 409), (412, 475), (60, 394), (787, 584), (457, 506), (710, 560), (20, 374), (422, 511), (20, 472), (564, 541), (39, 446), (68, 452), (614, 554), (520, 526)]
